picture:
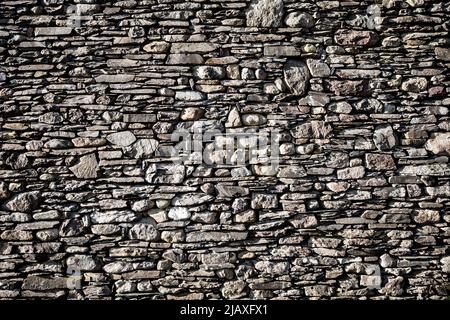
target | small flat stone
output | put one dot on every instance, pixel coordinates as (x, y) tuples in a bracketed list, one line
[(184, 58), (115, 78), (157, 47), (52, 31), (189, 96)]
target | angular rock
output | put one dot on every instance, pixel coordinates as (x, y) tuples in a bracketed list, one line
[(234, 119), (191, 114), (24, 202), (162, 173), (351, 173), (296, 76), (318, 68), (442, 53), (142, 148), (191, 199), (144, 231), (233, 289), (228, 191), (81, 262), (215, 236), (115, 78), (197, 47), (86, 168), (350, 87), (433, 169), (52, 31), (264, 201), (51, 118), (33, 282), (272, 268), (384, 137), (356, 37), (375, 161)]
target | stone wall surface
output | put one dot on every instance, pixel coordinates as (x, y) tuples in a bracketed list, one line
[(92, 204)]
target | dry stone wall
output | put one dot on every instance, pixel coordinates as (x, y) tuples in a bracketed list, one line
[(93, 204)]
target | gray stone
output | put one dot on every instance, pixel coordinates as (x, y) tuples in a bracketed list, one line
[(24, 202), (415, 85), (264, 201), (142, 148), (79, 262), (318, 68), (189, 96), (265, 13), (351, 173), (229, 191), (122, 139), (215, 236), (142, 205), (272, 268), (197, 47), (209, 72), (165, 173), (299, 20), (144, 231), (51, 118), (191, 114), (433, 169), (33, 282), (234, 119), (296, 76), (52, 31), (179, 213), (86, 168), (157, 47), (190, 199), (115, 78), (439, 144), (185, 58), (233, 289), (384, 137)]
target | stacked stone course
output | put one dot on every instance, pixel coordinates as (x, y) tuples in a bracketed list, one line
[(93, 207)]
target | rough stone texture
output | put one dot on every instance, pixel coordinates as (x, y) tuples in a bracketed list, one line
[(92, 204), (265, 13)]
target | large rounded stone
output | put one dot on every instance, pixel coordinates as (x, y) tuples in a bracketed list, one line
[(299, 20), (265, 13)]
